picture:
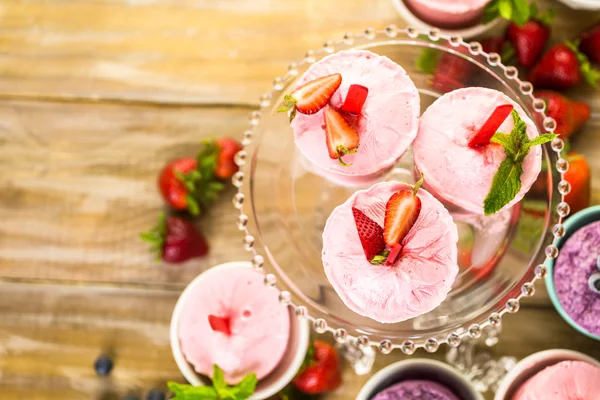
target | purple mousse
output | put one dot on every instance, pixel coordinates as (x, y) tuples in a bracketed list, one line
[(416, 390), (576, 266)]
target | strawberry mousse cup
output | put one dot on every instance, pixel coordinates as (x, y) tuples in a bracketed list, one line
[(465, 165), (451, 14), (552, 374), (363, 123), (410, 282), (227, 317)]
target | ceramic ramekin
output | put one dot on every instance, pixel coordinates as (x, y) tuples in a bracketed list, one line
[(529, 366), (571, 225), (278, 378), (419, 369)]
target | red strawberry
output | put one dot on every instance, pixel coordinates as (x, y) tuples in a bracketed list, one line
[(493, 45), (370, 234), (322, 372), (176, 240), (590, 43), (226, 166), (490, 126), (219, 324), (562, 67), (401, 213), (569, 115), (312, 96), (579, 177), (528, 41), (341, 138), (355, 99), (171, 185), (452, 71)]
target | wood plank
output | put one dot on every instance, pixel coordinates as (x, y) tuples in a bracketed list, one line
[(187, 51), (51, 334)]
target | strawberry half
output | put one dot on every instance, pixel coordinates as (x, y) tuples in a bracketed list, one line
[(355, 99), (312, 96), (370, 234), (341, 138), (401, 213), (490, 126)]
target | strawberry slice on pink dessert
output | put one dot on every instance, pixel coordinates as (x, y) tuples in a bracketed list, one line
[(377, 106), (390, 252)]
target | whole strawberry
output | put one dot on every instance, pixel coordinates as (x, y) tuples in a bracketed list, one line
[(563, 67), (569, 115), (578, 175), (321, 372), (529, 39), (226, 165), (590, 43), (176, 240)]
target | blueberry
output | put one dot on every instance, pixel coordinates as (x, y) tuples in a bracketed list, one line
[(103, 365), (155, 394)]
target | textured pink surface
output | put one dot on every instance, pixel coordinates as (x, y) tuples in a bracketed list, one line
[(260, 325), (567, 380), (455, 172), (421, 277), (448, 13), (389, 120)]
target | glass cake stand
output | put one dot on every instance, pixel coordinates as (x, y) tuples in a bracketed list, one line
[(283, 208)]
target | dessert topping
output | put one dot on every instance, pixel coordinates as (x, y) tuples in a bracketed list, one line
[(219, 389), (490, 126), (355, 99), (321, 370), (219, 324), (176, 240), (401, 213), (312, 96), (342, 138), (507, 181), (371, 237)]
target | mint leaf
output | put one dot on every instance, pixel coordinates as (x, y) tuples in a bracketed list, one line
[(505, 9), (517, 11), (507, 53), (520, 12), (505, 186), (428, 60), (246, 387), (188, 392), (218, 378), (541, 139), (490, 12), (547, 17)]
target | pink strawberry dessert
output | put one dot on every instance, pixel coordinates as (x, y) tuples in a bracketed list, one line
[(449, 14), (390, 252), (479, 150), (354, 113), (231, 319)]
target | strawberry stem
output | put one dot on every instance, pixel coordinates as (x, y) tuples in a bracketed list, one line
[(417, 185)]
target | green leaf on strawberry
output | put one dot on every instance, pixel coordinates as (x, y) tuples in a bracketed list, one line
[(428, 60), (589, 73), (156, 236), (507, 181), (517, 11), (219, 389)]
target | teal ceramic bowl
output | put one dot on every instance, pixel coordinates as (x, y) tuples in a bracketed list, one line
[(572, 224)]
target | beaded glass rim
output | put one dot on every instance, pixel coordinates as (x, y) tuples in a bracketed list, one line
[(454, 338)]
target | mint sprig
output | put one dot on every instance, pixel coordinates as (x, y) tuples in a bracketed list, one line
[(219, 389), (517, 11), (507, 181)]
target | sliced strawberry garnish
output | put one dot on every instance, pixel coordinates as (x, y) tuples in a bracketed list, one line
[(312, 96), (219, 324), (370, 234), (355, 99), (490, 126), (401, 213), (341, 138)]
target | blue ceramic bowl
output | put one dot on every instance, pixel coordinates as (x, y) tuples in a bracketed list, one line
[(572, 224)]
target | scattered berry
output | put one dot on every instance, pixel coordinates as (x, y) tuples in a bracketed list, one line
[(563, 67), (490, 126), (155, 394), (569, 115), (176, 240), (103, 365), (355, 99), (322, 371), (578, 175), (341, 138), (370, 234), (529, 39), (401, 213), (452, 71), (226, 165), (590, 43), (171, 183), (312, 96)]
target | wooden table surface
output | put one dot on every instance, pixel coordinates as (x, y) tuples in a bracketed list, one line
[(94, 96)]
